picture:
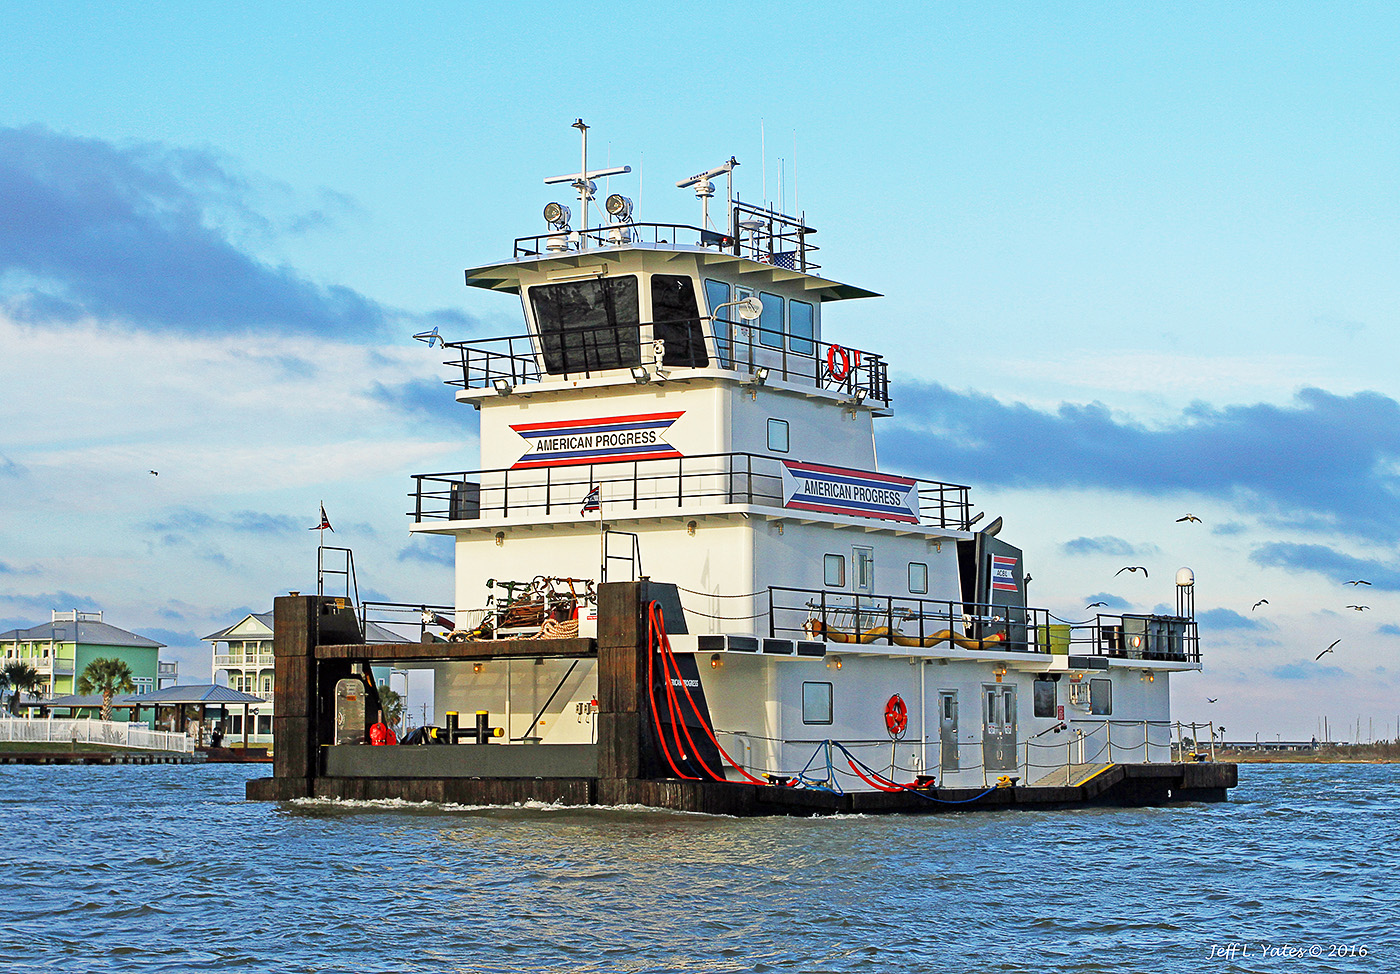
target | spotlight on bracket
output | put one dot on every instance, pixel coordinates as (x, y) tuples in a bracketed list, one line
[(503, 387), (619, 208), (639, 375), (557, 215)]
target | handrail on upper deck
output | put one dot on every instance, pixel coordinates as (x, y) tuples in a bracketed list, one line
[(661, 485), (743, 348)]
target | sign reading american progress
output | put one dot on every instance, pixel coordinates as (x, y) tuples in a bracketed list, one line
[(841, 490), (609, 439)]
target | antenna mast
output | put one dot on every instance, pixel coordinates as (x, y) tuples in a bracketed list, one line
[(583, 179), (704, 189)]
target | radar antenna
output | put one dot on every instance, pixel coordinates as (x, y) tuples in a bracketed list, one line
[(583, 179), (704, 189)]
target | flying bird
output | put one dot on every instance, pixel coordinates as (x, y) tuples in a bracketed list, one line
[(155, 473), (1132, 568), (429, 337), (1359, 608), (1093, 604), (1258, 604), (1358, 581), (1327, 650), (1189, 517), (1211, 699)]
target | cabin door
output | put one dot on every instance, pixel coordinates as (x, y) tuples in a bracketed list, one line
[(998, 727), (948, 729)]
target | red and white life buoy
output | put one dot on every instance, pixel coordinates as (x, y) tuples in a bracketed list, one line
[(896, 716), (837, 372)]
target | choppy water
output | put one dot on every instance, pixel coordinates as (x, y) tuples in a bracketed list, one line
[(166, 868)]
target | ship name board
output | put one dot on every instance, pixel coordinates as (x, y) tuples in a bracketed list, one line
[(841, 490), (607, 439)]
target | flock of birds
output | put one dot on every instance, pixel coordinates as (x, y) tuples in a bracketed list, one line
[(1193, 519)]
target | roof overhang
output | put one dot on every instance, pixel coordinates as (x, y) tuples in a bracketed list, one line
[(507, 276)]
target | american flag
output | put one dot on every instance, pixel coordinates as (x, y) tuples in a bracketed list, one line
[(785, 258), (593, 502)]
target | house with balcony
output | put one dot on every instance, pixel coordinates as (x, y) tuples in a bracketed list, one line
[(60, 649)]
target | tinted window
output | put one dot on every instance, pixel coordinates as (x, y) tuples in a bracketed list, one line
[(802, 325), (918, 578), (675, 320), (716, 294), (834, 570), (770, 323), (1100, 697), (1044, 698), (778, 435), (587, 326), (816, 703)]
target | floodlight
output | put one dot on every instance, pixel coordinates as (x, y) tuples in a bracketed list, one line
[(760, 375), (503, 386), (619, 207), (556, 215), (639, 374)]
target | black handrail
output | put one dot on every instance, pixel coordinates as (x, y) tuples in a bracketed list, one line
[(848, 372), (868, 618), (659, 484)]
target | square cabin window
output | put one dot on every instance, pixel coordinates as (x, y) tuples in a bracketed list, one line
[(1101, 697), (816, 703), (778, 435), (834, 571), (918, 578)]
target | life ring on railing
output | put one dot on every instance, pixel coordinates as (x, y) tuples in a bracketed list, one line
[(832, 351), (896, 716)]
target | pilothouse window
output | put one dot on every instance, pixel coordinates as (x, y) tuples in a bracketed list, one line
[(588, 326), (675, 317)]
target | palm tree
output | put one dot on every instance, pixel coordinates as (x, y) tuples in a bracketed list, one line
[(107, 677), (19, 677)]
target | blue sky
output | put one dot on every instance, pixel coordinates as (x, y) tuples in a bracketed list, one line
[(1138, 261)]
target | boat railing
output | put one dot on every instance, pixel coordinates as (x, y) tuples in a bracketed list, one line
[(753, 352), (914, 621), (757, 233), (662, 486), (909, 620)]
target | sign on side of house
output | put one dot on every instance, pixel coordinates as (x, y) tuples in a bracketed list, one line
[(608, 439), (840, 490)]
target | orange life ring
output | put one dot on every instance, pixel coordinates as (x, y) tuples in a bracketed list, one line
[(896, 716), (831, 352)]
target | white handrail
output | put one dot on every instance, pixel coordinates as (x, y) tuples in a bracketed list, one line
[(104, 732)]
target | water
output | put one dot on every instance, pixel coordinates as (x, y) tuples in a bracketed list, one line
[(166, 868)]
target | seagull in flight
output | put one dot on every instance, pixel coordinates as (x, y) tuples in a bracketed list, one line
[(1358, 581), (1132, 568), (1211, 699), (155, 473), (1094, 604), (1258, 604), (1359, 608), (1327, 650), (1189, 517), (429, 337)]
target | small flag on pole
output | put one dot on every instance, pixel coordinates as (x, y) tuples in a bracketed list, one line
[(325, 524), (593, 502)]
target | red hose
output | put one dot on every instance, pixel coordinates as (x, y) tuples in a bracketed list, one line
[(651, 695), (660, 622)]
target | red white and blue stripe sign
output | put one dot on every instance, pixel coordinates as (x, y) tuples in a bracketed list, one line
[(573, 442), (841, 490), (1004, 574)]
